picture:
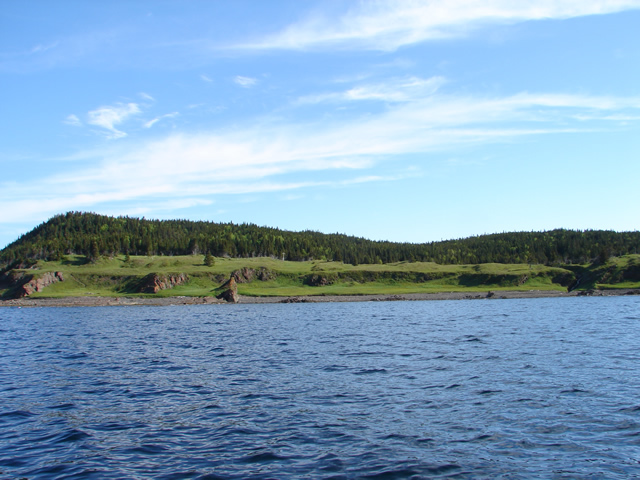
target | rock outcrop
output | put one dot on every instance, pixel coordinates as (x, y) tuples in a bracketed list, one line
[(229, 291), (247, 275), (317, 280), (294, 300), (590, 293), (154, 282), (38, 284)]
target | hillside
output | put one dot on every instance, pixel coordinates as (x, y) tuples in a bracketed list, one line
[(94, 236), (90, 255), (142, 276)]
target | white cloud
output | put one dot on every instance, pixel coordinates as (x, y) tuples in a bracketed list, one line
[(73, 120), (109, 117), (245, 82), (205, 78), (390, 24), (146, 96), (152, 122)]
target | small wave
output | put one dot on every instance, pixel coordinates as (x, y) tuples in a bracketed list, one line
[(488, 392), (413, 472), (425, 440), (16, 414), (63, 406), (335, 368), (241, 431), (148, 449), (176, 368), (574, 390), (76, 356), (635, 408), (396, 436), (72, 435), (262, 457), (251, 396), (368, 371), (478, 438), (399, 473), (362, 354), (115, 426)]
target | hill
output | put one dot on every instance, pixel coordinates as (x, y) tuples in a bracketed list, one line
[(80, 254), (94, 235)]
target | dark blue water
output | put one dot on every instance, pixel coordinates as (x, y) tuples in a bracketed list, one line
[(543, 388)]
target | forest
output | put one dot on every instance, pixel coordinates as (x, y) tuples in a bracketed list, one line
[(93, 235)]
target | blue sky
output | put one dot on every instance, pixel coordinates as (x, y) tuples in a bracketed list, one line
[(393, 120)]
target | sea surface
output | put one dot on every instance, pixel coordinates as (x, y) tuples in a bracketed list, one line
[(480, 389)]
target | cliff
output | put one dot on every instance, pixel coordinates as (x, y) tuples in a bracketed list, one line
[(23, 284)]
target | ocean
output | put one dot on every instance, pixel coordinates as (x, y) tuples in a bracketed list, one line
[(542, 388)]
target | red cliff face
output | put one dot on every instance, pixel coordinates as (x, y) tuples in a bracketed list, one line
[(156, 282), (40, 283)]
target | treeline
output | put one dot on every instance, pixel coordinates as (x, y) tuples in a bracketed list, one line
[(95, 235)]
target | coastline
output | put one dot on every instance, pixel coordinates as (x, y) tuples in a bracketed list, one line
[(172, 301)]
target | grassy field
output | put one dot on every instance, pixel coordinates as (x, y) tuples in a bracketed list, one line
[(119, 276)]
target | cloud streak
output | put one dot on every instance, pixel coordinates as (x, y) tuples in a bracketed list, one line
[(390, 24), (153, 121), (399, 90)]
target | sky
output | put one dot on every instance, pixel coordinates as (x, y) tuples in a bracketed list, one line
[(401, 120)]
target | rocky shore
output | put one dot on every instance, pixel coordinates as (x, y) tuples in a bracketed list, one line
[(167, 301)]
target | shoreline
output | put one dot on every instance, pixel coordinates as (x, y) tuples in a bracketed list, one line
[(172, 301)]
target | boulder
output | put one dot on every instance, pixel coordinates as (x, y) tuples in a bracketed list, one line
[(229, 291)]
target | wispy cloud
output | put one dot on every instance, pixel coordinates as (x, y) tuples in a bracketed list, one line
[(257, 159), (108, 117), (146, 96), (152, 122), (395, 90), (43, 48), (390, 24), (206, 78), (246, 82), (73, 120)]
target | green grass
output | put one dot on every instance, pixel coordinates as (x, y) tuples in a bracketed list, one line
[(111, 277)]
